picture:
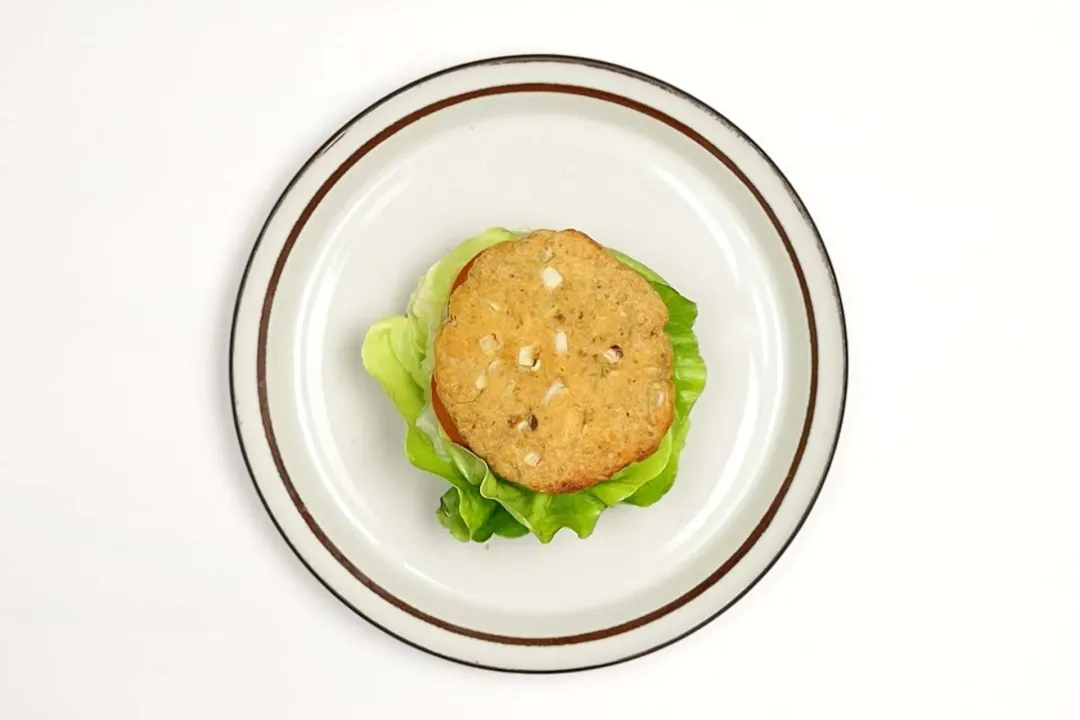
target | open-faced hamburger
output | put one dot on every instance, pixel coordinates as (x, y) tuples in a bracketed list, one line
[(545, 376)]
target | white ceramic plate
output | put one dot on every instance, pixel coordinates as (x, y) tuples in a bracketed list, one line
[(527, 142)]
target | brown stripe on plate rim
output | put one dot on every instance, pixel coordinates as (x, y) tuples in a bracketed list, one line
[(264, 325)]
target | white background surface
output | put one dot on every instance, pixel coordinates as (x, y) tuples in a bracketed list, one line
[(935, 143)]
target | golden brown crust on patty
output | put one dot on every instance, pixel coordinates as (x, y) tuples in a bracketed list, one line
[(553, 363)]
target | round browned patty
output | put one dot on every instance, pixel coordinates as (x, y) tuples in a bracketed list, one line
[(553, 363)]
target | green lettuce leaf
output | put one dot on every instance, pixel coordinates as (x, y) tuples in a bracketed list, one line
[(397, 353)]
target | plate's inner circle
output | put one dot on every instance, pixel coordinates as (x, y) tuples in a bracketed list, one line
[(530, 160)]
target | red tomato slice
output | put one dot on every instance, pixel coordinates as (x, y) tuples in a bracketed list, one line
[(443, 417), (436, 402), (465, 272)]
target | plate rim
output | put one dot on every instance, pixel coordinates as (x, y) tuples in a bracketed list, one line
[(788, 188)]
